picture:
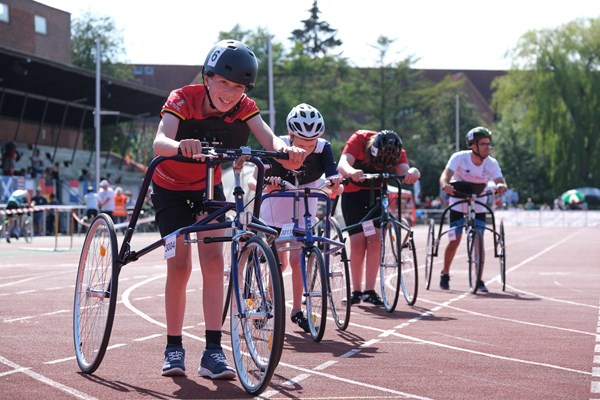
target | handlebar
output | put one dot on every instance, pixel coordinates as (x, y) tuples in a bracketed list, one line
[(288, 185), (383, 175), (220, 153), (462, 195)]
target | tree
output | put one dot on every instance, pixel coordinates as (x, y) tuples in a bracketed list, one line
[(552, 97), (317, 38), (84, 32)]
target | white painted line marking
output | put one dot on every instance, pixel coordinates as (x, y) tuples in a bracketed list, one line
[(595, 387), (596, 371), (325, 365), (47, 381), (18, 319), (350, 353), (295, 380), (147, 337)]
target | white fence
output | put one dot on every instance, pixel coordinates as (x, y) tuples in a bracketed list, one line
[(549, 218)]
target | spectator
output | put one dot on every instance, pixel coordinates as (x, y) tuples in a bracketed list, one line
[(10, 156), (51, 216), (529, 205), (106, 198), (37, 164), (92, 202), (38, 216), (120, 210)]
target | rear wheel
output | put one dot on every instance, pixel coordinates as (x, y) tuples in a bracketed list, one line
[(430, 251), (257, 316), (474, 254), (390, 266), (95, 294), (338, 271)]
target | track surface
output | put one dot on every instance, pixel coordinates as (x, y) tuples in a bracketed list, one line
[(540, 339)]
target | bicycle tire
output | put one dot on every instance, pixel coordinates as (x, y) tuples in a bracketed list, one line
[(257, 316), (27, 229), (390, 265), (409, 268), (338, 275), (502, 255), (429, 253), (474, 255), (95, 294), (315, 292)]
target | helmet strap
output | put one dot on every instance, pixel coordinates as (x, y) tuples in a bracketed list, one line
[(212, 105)]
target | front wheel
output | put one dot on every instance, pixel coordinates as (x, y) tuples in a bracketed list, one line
[(430, 251), (501, 251), (257, 315), (475, 257), (390, 266), (27, 229), (409, 269), (315, 292), (95, 294)]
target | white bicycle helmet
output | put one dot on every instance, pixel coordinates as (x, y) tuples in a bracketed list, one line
[(306, 122)]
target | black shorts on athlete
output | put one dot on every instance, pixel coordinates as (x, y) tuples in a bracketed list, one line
[(178, 209), (355, 205)]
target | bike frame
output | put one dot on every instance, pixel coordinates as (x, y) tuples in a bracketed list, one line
[(469, 220)]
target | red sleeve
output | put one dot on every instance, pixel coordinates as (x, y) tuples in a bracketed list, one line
[(356, 144)]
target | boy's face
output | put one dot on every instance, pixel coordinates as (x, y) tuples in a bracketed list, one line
[(307, 145), (224, 93)]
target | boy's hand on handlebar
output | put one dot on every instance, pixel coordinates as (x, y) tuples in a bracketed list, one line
[(296, 157), (448, 189), (357, 175), (273, 180), (501, 188), (189, 147), (412, 175)]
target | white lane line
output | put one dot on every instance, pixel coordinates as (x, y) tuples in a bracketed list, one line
[(17, 319), (511, 320), (325, 365), (595, 385), (552, 298), (69, 390), (147, 337), (127, 302), (295, 380)]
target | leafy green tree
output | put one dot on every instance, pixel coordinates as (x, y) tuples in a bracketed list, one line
[(84, 32), (552, 97), (317, 38)]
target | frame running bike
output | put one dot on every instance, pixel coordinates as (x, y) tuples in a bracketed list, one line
[(474, 236), (257, 312), (323, 261), (398, 267)]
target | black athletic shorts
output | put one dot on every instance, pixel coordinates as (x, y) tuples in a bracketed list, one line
[(355, 205), (178, 209)]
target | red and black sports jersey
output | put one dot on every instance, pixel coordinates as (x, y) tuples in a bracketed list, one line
[(228, 131)]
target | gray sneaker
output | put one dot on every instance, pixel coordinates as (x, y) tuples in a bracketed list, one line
[(214, 365), (482, 288), (445, 282), (174, 363)]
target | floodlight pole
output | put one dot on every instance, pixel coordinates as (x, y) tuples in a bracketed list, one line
[(97, 114), (271, 89), (457, 123)]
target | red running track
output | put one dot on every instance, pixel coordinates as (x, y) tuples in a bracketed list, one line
[(540, 339)]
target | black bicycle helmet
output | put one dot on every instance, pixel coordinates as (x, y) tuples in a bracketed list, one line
[(386, 150), (477, 133), (232, 60)]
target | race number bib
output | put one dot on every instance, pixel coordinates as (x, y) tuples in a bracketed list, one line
[(287, 230), (170, 246), (368, 228), (452, 234)]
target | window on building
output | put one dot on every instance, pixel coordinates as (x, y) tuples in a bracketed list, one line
[(4, 17), (40, 25)]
